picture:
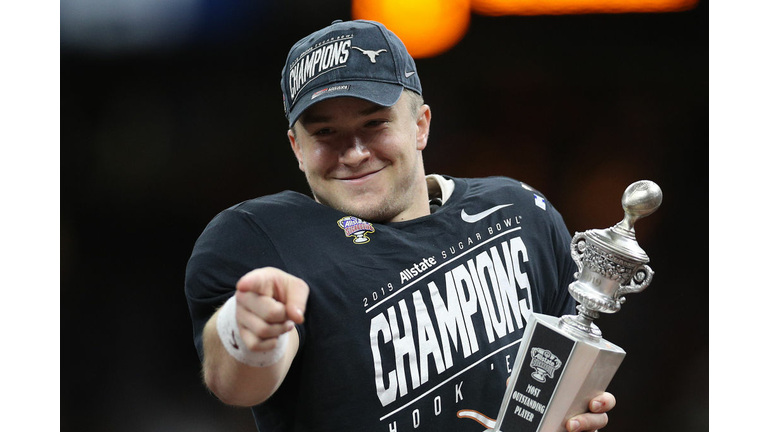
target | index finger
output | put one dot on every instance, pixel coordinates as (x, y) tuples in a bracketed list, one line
[(280, 285), (602, 403)]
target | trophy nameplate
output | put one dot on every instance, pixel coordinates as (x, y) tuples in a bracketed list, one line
[(563, 363)]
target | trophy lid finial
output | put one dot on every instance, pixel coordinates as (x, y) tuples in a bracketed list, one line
[(640, 199)]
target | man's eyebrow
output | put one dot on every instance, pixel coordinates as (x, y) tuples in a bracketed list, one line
[(373, 109)]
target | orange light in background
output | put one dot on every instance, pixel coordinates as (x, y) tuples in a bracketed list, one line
[(431, 27), (426, 27), (563, 7)]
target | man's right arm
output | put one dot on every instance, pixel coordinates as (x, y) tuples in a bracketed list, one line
[(269, 302)]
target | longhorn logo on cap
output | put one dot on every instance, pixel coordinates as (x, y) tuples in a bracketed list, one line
[(370, 53)]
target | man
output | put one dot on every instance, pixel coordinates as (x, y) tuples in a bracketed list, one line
[(393, 301)]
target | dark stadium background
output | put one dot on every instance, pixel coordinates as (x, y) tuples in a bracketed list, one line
[(157, 139)]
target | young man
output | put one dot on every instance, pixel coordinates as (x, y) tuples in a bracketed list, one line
[(392, 301)]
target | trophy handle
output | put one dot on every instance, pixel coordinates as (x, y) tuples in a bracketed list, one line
[(639, 281), (578, 247)]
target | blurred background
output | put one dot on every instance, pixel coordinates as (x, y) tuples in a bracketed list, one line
[(171, 111)]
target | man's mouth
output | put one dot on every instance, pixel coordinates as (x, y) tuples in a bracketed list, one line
[(359, 177)]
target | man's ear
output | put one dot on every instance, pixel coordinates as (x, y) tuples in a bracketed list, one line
[(296, 148), (423, 120)]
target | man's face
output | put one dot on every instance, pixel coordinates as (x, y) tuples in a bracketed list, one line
[(365, 159)]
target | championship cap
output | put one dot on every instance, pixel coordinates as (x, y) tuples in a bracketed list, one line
[(359, 59)]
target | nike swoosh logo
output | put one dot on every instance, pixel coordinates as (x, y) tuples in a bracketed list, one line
[(408, 74), (476, 217), (234, 341)]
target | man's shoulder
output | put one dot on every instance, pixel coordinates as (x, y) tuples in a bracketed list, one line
[(499, 190), (508, 185), (274, 202), (265, 210)]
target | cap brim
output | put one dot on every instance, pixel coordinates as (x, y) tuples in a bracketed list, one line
[(380, 93)]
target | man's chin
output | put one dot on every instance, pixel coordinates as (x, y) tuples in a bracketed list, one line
[(371, 209), (370, 213)]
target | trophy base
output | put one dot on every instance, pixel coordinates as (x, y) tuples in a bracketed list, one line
[(555, 375)]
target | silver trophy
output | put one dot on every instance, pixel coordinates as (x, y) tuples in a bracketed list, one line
[(563, 363)]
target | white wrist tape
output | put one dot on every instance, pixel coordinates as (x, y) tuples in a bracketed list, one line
[(229, 333)]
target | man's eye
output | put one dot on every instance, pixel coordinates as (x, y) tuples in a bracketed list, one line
[(374, 123), (321, 132)]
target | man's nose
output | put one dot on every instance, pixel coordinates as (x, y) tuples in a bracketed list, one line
[(354, 152)]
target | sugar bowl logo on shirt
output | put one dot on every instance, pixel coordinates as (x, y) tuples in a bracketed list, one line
[(356, 228)]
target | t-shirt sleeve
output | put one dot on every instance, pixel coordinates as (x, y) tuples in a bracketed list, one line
[(230, 246)]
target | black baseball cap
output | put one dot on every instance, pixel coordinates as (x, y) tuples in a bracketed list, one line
[(359, 59)]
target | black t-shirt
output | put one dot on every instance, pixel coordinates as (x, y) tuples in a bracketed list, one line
[(407, 323)]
